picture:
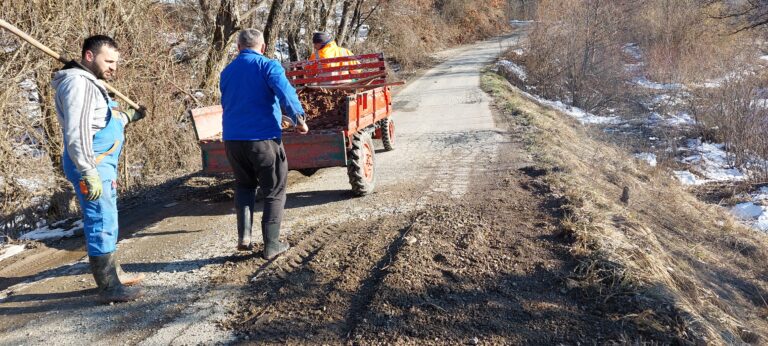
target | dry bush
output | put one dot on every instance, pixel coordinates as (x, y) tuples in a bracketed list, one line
[(150, 72), (737, 110), (683, 42), (575, 52), (408, 31)]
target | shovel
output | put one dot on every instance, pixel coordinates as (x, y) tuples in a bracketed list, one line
[(46, 50)]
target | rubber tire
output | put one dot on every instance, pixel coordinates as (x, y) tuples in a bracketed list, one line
[(308, 172), (362, 160), (387, 127)]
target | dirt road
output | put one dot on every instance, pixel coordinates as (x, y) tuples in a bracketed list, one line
[(458, 244)]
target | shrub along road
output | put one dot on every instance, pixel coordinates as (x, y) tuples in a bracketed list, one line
[(459, 244)]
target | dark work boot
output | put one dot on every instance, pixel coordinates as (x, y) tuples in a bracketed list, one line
[(272, 244), (244, 201), (110, 288)]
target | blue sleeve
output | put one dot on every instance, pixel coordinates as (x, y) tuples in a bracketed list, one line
[(285, 92)]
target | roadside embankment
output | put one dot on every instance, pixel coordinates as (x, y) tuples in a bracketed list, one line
[(656, 254)]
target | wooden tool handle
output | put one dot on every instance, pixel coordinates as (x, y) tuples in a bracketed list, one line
[(10, 27)]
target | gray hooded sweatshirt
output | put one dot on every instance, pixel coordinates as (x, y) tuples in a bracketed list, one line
[(82, 107)]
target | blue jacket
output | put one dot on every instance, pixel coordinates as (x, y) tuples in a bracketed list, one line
[(253, 87)]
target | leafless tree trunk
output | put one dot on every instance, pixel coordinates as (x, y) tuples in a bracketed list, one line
[(341, 32), (272, 27), (227, 21), (361, 18), (326, 10)]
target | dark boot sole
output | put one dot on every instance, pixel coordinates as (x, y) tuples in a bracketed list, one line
[(241, 247), (274, 255)]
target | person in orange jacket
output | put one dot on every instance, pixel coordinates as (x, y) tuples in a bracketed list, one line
[(326, 47)]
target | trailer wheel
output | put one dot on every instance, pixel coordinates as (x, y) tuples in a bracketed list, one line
[(308, 172), (387, 127), (361, 169)]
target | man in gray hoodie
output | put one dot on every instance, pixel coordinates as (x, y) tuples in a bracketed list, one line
[(93, 139)]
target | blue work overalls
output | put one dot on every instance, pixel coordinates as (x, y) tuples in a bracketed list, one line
[(100, 216)]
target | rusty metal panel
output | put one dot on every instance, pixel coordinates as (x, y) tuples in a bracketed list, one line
[(314, 150), (317, 149), (207, 122), (214, 157), (367, 107), (352, 113)]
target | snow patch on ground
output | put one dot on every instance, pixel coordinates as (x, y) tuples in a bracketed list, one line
[(710, 161), (10, 250), (515, 69), (650, 158), (688, 178), (680, 119), (645, 83), (30, 184), (755, 212), (46, 233), (633, 50), (581, 115), (755, 215)]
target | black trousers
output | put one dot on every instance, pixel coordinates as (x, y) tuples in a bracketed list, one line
[(260, 164)]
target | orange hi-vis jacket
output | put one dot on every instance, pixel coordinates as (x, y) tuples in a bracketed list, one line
[(331, 50)]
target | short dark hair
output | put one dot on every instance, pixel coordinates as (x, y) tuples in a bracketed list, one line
[(95, 42)]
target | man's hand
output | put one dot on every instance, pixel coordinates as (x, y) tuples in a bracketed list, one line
[(301, 125), (90, 187), (136, 114), (286, 123)]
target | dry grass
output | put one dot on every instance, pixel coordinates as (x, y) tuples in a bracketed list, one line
[(702, 273)]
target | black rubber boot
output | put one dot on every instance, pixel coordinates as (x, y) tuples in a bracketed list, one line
[(110, 288), (244, 201), (272, 244)]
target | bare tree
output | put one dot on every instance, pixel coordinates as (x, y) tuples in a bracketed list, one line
[(326, 10), (748, 14), (227, 23), (272, 27), (341, 31)]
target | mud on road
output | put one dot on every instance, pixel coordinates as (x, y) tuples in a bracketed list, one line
[(490, 267)]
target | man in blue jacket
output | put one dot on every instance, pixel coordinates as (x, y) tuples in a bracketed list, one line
[(253, 89)]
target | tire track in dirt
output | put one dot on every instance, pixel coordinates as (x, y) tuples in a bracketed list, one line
[(360, 303), (335, 274)]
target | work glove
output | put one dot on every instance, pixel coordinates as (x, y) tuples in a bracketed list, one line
[(135, 114), (90, 187)]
